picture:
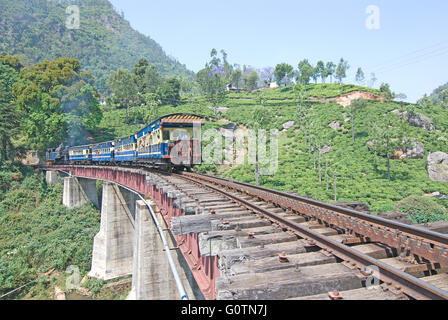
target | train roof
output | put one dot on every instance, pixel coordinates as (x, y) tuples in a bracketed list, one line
[(182, 118)]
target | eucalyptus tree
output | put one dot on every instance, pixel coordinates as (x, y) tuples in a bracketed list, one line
[(360, 76), (354, 107), (341, 70), (330, 69)]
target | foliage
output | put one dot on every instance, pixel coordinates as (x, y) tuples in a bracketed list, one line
[(421, 209), (9, 116), (283, 73), (58, 102), (104, 42), (37, 233)]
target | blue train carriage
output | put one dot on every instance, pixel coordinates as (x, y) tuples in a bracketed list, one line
[(157, 142), (80, 154), (125, 149), (103, 152), (53, 156)]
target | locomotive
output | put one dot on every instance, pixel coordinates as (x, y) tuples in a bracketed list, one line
[(171, 142)]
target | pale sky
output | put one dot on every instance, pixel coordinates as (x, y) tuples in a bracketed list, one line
[(409, 50)]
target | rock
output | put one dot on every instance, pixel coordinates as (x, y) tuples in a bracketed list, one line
[(230, 126), (325, 149), (289, 124), (418, 120), (396, 111), (399, 216), (437, 165), (416, 151), (355, 205), (59, 294), (335, 125)]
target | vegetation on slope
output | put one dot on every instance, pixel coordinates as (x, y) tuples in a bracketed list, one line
[(36, 31), (39, 234)]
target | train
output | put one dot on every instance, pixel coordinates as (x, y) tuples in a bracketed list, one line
[(171, 142)]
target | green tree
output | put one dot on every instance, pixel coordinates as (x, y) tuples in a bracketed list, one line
[(236, 77), (124, 90), (360, 76), (9, 115), (283, 73), (170, 92), (341, 70), (260, 119), (355, 106), (305, 72), (58, 102), (9, 121), (152, 80), (386, 92), (250, 80), (212, 80), (139, 71), (320, 69), (330, 69)]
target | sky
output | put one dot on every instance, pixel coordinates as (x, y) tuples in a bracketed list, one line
[(405, 43)]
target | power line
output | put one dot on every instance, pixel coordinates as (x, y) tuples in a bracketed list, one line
[(400, 58)]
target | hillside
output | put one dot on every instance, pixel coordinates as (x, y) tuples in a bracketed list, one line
[(357, 176), (35, 30)]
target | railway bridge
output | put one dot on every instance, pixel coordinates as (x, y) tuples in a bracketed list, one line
[(196, 236)]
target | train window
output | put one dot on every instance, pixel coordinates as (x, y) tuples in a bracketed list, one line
[(166, 134)]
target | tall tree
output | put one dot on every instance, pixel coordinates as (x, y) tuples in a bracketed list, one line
[(360, 76), (341, 70), (124, 90), (250, 80), (152, 80), (355, 106), (170, 92), (320, 67), (139, 74), (305, 72), (283, 73), (260, 119), (330, 70), (9, 115), (373, 79), (59, 103), (212, 80)]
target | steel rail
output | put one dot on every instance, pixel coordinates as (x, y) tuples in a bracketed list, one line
[(393, 233), (399, 280)]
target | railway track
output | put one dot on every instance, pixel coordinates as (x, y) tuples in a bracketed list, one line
[(273, 245)]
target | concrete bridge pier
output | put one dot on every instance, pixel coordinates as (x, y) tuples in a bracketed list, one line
[(113, 245), (152, 278), (78, 191), (52, 177)]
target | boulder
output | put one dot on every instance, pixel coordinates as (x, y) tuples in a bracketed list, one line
[(418, 120), (325, 149), (335, 125), (437, 165), (289, 124), (354, 205), (415, 151)]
